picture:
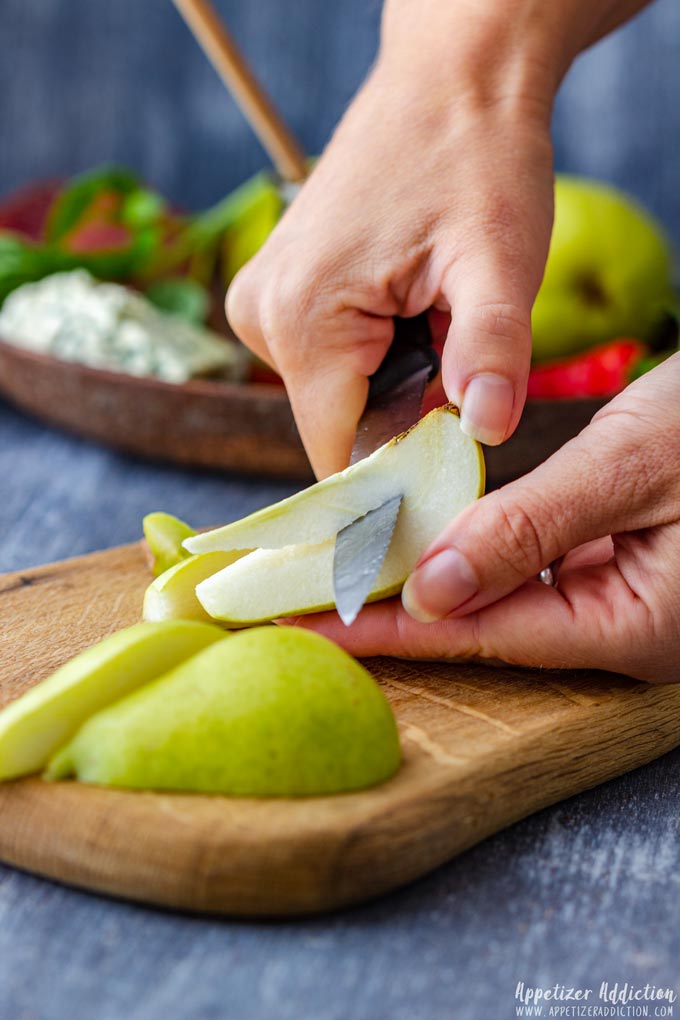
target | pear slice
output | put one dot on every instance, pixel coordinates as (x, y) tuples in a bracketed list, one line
[(435, 467), (164, 535), (172, 596), (34, 726), (433, 461)]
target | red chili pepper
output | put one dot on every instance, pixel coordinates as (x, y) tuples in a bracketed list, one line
[(599, 372)]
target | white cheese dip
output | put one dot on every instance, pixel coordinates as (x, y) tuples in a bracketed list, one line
[(76, 317)]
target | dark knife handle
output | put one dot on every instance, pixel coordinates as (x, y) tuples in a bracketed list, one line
[(410, 351)]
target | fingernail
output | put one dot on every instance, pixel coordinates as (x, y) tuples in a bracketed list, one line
[(487, 408), (440, 585)]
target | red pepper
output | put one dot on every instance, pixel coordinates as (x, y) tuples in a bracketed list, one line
[(599, 372)]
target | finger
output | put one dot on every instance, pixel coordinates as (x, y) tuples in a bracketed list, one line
[(594, 486), (491, 287), (323, 354), (243, 313), (593, 620), (600, 550), (325, 368), (485, 364)]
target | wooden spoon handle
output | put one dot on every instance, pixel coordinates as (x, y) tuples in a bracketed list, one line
[(228, 61)]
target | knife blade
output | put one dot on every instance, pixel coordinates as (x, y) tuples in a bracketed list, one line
[(394, 403)]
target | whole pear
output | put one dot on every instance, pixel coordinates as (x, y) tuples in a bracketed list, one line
[(608, 272)]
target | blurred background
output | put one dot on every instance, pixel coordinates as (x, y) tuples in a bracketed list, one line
[(88, 81)]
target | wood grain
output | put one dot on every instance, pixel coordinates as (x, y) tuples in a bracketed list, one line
[(482, 747)]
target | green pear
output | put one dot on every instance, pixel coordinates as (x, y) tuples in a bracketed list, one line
[(43, 719), (172, 595), (274, 711), (164, 535), (608, 273), (435, 467)]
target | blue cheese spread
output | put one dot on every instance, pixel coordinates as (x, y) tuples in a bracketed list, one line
[(78, 318)]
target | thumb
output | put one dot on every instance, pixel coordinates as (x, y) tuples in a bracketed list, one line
[(490, 288), (594, 486)]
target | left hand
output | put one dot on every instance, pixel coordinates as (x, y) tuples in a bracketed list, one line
[(609, 502)]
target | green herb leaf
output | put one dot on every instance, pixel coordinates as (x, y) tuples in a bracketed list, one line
[(70, 204), (180, 296), (23, 262), (206, 228)]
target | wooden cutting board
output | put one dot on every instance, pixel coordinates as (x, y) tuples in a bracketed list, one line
[(483, 747)]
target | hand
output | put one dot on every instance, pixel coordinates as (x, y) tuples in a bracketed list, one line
[(609, 502), (436, 190)]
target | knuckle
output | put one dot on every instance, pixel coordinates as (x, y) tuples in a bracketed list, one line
[(285, 312), (519, 538), (633, 458), (500, 320), (499, 216), (240, 302)]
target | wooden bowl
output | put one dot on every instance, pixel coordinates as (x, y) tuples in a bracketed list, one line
[(202, 423), (211, 424), (246, 427)]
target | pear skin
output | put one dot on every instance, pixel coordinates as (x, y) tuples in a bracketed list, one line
[(269, 712), (435, 467), (36, 724), (164, 535)]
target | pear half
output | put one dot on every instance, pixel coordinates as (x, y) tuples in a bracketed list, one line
[(435, 467), (34, 726), (270, 712)]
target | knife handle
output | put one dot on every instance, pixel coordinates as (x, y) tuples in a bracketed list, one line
[(410, 351)]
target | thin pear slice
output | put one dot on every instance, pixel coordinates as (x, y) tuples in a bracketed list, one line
[(37, 724), (172, 596), (435, 467), (164, 535), (321, 511)]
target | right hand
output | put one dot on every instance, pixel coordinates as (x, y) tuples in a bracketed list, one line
[(436, 191)]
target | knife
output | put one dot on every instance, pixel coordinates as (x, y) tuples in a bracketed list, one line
[(395, 399)]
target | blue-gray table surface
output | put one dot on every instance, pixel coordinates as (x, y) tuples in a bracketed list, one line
[(584, 892)]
